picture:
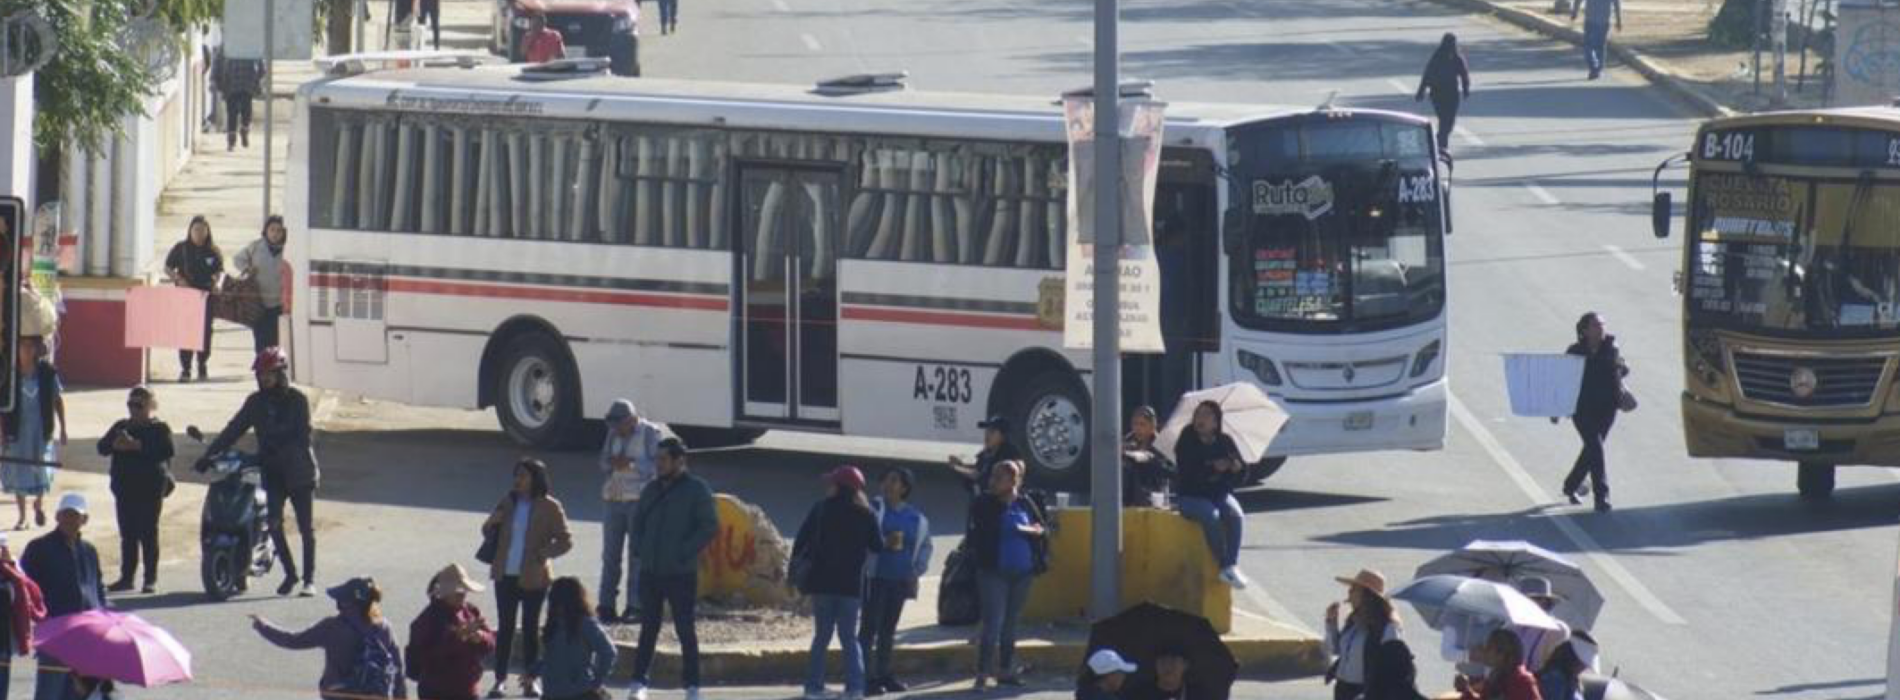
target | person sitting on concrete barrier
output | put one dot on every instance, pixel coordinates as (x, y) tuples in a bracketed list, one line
[(1006, 537), (996, 449), (1103, 676), (893, 576), (1145, 471), (1210, 468)]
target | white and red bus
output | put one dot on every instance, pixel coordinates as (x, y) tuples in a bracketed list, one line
[(886, 263)]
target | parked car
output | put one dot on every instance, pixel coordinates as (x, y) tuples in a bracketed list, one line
[(591, 28)]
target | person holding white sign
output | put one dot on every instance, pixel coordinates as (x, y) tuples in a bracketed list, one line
[(1598, 401)]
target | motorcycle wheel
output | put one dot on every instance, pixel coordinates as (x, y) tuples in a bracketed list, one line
[(220, 572)]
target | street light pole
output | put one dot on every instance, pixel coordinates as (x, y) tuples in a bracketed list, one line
[(270, 114), (1104, 438)]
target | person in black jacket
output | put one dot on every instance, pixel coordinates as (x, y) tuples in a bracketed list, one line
[(1597, 403), (1145, 471), (1208, 468), (141, 450), (281, 416), (838, 536), (1448, 79), (66, 567), (197, 263), (1006, 541), (996, 449)]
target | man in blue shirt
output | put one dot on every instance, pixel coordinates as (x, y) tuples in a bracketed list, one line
[(893, 576), (67, 571), (1596, 29)]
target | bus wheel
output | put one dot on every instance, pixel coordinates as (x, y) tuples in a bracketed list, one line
[(1051, 419), (697, 438), (1259, 471), (538, 395), (1815, 481)]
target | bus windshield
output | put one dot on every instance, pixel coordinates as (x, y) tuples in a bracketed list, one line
[(1339, 226), (1795, 256)]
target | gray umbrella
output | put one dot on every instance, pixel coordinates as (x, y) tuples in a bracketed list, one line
[(1444, 599), (1605, 688), (1579, 601)]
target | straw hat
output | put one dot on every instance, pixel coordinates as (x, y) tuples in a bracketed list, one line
[(452, 579), (1367, 579)]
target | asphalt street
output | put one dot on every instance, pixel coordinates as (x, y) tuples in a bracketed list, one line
[(1720, 583)]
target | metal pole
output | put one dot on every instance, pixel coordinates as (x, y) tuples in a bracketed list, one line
[(1104, 437), (270, 114)]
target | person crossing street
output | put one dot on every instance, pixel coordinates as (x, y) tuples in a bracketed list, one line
[(280, 414), (1596, 30)]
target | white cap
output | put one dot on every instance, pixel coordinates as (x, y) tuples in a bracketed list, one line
[(73, 501), (1106, 661)]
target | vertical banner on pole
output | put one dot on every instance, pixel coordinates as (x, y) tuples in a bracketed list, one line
[(1140, 274), (291, 34)]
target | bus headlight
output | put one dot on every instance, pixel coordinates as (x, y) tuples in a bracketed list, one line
[(1261, 367), (1426, 356)]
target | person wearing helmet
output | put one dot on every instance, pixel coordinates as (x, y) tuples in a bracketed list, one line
[(281, 416)]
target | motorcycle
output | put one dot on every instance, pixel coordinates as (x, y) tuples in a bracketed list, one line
[(234, 540)]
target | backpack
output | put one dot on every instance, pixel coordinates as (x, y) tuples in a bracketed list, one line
[(956, 591), (377, 670)]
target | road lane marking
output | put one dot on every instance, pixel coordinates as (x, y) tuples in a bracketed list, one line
[(1468, 135), (1401, 87), (1624, 256), (1542, 195), (811, 42), (781, 6), (1585, 544)]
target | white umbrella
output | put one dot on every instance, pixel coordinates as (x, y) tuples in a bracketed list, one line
[(1436, 596), (1579, 601), (1248, 416)]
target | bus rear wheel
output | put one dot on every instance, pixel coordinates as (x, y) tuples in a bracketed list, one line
[(1051, 420), (537, 394), (699, 438), (1815, 481)]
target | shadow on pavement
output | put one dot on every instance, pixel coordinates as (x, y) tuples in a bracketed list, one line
[(1268, 500)]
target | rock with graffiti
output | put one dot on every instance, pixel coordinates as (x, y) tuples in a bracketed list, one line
[(745, 564)]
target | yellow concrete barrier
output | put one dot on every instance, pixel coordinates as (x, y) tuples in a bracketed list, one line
[(1164, 560)]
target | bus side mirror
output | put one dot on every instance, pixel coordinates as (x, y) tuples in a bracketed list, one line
[(1659, 212)]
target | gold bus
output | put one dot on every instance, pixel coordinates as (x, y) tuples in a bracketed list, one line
[(1790, 285)]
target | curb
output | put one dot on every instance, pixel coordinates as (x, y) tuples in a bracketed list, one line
[(1655, 71)]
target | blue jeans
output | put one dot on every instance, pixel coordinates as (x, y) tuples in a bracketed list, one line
[(52, 680), (840, 613), (1596, 42), (617, 547), (669, 12), (1220, 523), (657, 593), (1001, 597)]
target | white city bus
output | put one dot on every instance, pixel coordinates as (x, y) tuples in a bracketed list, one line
[(886, 263)]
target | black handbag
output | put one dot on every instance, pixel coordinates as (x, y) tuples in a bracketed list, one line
[(804, 559), (956, 591), (491, 538)]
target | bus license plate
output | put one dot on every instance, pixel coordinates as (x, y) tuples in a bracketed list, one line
[(1359, 420), (1801, 439)]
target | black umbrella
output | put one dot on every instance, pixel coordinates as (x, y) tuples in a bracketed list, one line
[(1146, 631), (1605, 688)]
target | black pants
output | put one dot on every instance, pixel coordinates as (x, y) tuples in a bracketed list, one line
[(138, 535), (431, 11), (657, 593), (264, 330), (1590, 461), (303, 501), (1347, 691), (237, 112), (204, 356), (1445, 103), (877, 628), (512, 600)]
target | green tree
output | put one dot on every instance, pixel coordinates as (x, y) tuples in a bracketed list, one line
[(91, 84)]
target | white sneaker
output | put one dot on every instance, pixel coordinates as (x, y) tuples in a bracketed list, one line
[(692, 693), (1234, 578), (639, 692), (815, 695)]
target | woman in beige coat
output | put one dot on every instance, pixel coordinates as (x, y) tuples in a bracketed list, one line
[(529, 528)]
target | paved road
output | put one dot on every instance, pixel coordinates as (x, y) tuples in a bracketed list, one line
[(1720, 584)]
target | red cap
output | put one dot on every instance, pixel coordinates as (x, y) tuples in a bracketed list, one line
[(847, 476)]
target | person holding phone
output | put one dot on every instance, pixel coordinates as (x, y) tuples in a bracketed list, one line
[(140, 447), (1209, 468)]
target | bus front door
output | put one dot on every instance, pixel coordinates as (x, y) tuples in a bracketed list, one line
[(788, 303)]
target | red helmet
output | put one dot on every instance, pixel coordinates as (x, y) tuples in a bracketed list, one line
[(271, 359)]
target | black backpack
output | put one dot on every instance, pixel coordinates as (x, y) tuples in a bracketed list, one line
[(956, 591)]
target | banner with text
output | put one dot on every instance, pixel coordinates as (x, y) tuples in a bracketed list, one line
[(1139, 274)]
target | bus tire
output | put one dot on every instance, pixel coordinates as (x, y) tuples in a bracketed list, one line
[(538, 392), (1050, 418), (698, 438), (1815, 481), (1259, 471)]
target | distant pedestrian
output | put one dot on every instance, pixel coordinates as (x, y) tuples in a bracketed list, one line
[(431, 11), (1448, 78), (542, 43), (1209, 468), (1596, 29), (1561, 678), (31, 451), (140, 447), (675, 523), (837, 537), (263, 262), (894, 575), (530, 529), (1539, 643), (996, 449), (1146, 472), (629, 458), (280, 415), (1007, 540), (21, 607), (1508, 679), (1597, 404), (360, 655), (197, 263), (449, 641), (239, 80), (66, 568), (1104, 675), (579, 653), (669, 16), (1353, 647)]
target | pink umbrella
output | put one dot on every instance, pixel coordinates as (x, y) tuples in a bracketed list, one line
[(116, 646)]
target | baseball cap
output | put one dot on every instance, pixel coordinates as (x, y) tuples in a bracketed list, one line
[(995, 423), (622, 409), (847, 476), (356, 590), (75, 502), (1106, 661)]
